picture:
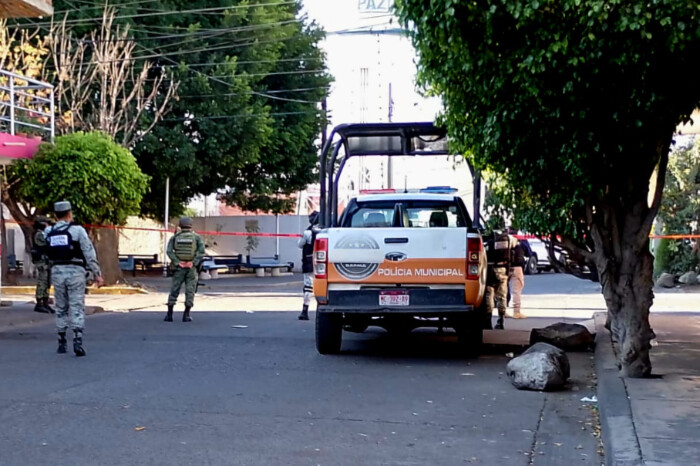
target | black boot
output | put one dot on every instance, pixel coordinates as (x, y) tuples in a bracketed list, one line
[(78, 342), (47, 306), (186, 316), (62, 343), (41, 307), (169, 315), (499, 323), (304, 313)]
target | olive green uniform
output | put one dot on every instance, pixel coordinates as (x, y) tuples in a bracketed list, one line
[(185, 246), (41, 264)]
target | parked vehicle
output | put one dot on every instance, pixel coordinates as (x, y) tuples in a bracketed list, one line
[(397, 260), (537, 255)]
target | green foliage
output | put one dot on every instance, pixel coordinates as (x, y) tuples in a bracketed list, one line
[(252, 242), (662, 257), (98, 176), (680, 212), (572, 103), (239, 127)]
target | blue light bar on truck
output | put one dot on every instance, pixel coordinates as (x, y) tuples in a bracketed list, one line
[(439, 190)]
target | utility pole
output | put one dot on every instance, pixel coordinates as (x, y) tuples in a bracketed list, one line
[(324, 127), (166, 227), (390, 164)]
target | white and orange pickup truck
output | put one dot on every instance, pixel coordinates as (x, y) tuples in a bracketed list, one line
[(398, 260)]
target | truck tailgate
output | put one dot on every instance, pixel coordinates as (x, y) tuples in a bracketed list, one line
[(397, 255)]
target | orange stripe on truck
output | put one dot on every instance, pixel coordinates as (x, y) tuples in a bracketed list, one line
[(425, 271)]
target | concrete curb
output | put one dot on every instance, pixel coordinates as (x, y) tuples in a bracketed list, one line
[(617, 425), (105, 290)]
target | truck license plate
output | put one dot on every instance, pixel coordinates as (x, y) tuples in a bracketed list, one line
[(394, 298)]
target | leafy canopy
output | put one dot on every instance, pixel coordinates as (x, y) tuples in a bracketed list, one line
[(251, 77), (680, 211), (99, 177), (569, 102)]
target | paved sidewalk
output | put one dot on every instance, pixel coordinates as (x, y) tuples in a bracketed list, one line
[(653, 421)]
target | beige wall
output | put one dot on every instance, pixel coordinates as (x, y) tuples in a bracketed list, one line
[(230, 245), (141, 241)]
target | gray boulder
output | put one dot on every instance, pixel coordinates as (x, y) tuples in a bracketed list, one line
[(689, 278), (568, 337), (542, 367), (665, 280)]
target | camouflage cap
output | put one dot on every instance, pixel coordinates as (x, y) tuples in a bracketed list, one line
[(62, 206), (186, 222)]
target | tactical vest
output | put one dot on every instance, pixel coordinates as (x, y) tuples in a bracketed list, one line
[(518, 256), (185, 245), (38, 247), (307, 254), (498, 253), (62, 249)]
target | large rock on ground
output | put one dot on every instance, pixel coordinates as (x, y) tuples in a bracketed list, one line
[(665, 280), (568, 337), (541, 367), (689, 278)]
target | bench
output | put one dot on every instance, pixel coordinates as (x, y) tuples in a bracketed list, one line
[(260, 264), (210, 266), (234, 263), (129, 262), (13, 264)]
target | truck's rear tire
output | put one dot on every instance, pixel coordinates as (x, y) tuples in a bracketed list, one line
[(470, 336), (329, 332)]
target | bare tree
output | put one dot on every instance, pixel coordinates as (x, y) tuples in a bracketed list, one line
[(99, 85)]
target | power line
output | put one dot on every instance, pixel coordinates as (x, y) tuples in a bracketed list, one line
[(95, 7), (240, 115), (212, 78), (275, 91), (174, 12), (246, 75), (195, 35)]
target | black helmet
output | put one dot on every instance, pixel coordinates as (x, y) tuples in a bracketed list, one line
[(313, 217)]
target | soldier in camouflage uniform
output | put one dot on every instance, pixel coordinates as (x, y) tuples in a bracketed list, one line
[(186, 252), (41, 264), (499, 247), (71, 256)]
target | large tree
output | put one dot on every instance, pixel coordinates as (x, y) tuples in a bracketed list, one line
[(573, 103), (251, 81), (99, 177)]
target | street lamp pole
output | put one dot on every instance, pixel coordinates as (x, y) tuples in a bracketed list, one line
[(166, 226)]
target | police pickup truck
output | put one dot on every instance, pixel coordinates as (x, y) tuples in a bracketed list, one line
[(399, 260)]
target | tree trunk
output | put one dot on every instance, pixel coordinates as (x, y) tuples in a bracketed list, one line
[(25, 219), (628, 293), (107, 247)]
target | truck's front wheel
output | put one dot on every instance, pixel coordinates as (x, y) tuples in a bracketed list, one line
[(329, 332)]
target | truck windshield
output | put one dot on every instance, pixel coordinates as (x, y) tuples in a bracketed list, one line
[(404, 213)]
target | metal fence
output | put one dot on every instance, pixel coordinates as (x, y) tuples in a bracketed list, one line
[(26, 106)]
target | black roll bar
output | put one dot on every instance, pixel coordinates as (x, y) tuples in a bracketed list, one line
[(377, 139)]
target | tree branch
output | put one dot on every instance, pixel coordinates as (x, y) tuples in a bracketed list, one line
[(662, 149)]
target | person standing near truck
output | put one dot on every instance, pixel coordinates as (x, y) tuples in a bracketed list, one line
[(516, 277), (306, 243), (498, 252)]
